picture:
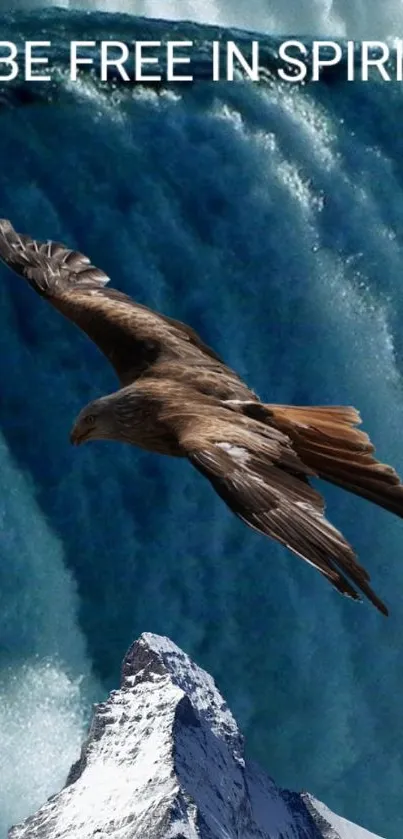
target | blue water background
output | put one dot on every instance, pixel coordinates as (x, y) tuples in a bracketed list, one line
[(271, 219)]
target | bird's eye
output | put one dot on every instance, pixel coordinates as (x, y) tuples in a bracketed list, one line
[(90, 419)]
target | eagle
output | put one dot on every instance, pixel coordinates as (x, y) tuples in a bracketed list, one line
[(177, 397)]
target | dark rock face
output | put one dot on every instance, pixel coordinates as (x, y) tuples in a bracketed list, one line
[(164, 759)]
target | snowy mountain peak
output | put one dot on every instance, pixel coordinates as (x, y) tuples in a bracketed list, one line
[(157, 655), (164, 760)]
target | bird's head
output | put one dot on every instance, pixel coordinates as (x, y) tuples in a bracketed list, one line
[(95, 422), (112, 417)]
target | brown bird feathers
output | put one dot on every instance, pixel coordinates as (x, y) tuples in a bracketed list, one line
[(178, 398)]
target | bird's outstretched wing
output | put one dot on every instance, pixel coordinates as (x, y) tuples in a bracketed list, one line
[(131, 336), (258, 474)]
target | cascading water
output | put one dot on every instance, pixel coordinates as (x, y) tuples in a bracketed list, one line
[(345, 18), (356, 19), (269, 217)]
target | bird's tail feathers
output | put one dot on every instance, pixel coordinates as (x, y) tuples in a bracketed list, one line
[(326, 440)]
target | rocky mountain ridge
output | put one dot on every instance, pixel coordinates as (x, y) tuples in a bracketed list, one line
[(164, 759)]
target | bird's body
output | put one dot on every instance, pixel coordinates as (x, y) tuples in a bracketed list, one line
[(178, 398)]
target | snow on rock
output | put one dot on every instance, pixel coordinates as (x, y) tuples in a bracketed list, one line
[(332, 826), (164, 759)]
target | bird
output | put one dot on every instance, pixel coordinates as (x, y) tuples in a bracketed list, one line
[(177, 397)]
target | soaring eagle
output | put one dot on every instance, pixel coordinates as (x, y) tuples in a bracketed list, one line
[(177, 397)]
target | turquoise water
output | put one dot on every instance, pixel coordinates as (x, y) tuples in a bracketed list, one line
[(271, 219)]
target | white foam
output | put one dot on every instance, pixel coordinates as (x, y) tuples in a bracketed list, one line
[(45, 674), (308, 17), (41, 730)]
